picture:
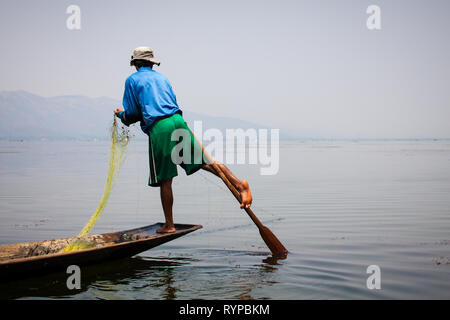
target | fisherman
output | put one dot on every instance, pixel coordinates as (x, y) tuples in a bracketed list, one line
[(149, 98)]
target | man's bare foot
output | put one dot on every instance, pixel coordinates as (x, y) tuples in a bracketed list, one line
[(246, 195), (166, 229)]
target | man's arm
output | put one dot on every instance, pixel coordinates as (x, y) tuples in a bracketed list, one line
[(131, 112)]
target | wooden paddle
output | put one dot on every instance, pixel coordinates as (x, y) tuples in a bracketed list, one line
[(272, 242)]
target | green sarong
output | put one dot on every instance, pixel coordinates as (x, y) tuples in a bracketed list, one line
[(171, 139)]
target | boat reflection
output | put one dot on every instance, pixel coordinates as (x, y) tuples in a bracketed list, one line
[(163, 278), (100, 281)]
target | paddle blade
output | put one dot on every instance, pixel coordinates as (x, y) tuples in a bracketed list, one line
[(275, 246)]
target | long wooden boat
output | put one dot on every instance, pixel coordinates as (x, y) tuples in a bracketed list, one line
[(32, 258)]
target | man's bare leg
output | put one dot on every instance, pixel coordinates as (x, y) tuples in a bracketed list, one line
[(240, 185), (167, 204)]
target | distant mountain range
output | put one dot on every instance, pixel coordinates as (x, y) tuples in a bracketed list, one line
[(28, 116)]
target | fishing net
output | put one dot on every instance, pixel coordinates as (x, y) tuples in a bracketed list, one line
[(120, 137)]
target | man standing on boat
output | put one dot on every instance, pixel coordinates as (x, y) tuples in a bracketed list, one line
[(149, 98)]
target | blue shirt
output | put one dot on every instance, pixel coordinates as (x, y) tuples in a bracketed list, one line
[(148, 96)]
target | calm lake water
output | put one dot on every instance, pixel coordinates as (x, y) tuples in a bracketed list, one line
[(337, 206)]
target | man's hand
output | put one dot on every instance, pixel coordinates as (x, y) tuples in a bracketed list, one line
[(117, 111)]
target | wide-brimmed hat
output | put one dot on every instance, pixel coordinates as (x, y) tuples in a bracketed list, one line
[(144, 53)]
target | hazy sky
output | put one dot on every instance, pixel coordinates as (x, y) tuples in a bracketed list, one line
[(311, 65)]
